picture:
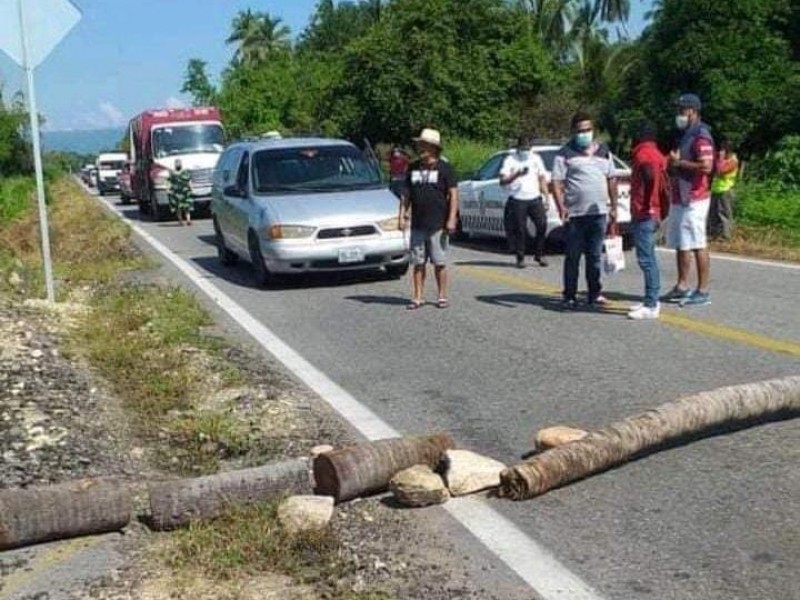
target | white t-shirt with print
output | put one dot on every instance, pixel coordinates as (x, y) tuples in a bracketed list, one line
[(527, 186)]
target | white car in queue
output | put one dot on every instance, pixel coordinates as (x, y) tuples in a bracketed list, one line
[(303, 205), (482, 200)]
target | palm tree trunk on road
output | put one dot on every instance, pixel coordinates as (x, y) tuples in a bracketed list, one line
[(669, 423)]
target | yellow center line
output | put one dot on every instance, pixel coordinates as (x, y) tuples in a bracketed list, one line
[(702, 327)]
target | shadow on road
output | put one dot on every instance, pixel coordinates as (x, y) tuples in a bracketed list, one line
[(389, 300), (551, 302), (241, 274), (486, 263)]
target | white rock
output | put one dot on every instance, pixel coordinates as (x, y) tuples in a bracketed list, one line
[(467, 472), (552, 437), (37, 353), (14, 280), (305, 513), (418, 486)]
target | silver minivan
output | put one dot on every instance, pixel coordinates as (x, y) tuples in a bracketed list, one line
[(301, 205)]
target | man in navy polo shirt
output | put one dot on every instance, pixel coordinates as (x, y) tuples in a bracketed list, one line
[(584, 188)]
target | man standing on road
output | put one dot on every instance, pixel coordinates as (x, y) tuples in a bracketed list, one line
[(690, 164), (523, 177), (584, 185), (648, 181), (720, 216), (431, 201)]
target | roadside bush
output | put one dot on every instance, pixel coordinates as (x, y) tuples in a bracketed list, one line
[(466, 155), (770, 204), (781, 166), (16, 196)]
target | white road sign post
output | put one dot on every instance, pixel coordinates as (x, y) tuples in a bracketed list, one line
[(29, 30)]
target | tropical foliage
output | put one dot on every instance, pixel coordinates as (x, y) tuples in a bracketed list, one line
[(487, 69)]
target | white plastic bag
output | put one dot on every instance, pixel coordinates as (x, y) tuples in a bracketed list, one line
[(614, 258)]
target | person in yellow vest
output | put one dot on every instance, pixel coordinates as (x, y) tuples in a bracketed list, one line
[(726, 169)]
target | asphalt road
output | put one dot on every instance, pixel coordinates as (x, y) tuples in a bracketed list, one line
[(714, 519)]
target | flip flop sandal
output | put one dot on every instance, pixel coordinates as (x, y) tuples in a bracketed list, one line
[(414, 305), (442, 303)]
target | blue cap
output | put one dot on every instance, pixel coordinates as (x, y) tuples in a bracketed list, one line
[(690, 101)]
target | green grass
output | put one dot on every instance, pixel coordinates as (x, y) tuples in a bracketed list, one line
[(88, 246), (769, 205), (250, 541), (467, 156), (16, 197), (148, 342)]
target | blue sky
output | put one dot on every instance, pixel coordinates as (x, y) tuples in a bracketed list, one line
[(126, 55)]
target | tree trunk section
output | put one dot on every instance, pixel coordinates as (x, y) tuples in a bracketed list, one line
[(364, 469), (175, 504), (42, 514), (619, 442)]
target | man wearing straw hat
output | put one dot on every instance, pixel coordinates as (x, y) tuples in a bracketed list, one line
[(430, 203)]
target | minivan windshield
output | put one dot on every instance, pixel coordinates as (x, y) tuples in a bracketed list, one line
[(112, 165), (187, 139), (313, 169)]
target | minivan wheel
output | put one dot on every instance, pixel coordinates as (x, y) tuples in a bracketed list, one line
[(226, 257), (261, 274), (396, 271)]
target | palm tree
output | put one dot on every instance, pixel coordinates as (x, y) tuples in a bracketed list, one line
[(258, 35)]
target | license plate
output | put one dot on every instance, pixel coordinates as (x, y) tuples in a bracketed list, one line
[(351, 255)]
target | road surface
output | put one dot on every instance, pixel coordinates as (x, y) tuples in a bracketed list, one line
[(714, 519)]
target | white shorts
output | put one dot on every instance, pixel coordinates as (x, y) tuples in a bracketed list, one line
[(686, 225)]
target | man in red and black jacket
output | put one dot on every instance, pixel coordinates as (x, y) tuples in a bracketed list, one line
[(648, 181)]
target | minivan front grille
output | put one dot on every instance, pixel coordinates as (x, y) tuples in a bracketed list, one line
[(347, 232)]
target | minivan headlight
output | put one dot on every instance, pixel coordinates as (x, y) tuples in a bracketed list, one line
[(392, 224), (289, 232)]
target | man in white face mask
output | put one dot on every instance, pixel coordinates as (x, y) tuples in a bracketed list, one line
[(690, 166), (523, 178)]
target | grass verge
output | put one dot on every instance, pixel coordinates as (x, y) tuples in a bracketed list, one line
[(761, 242), (250, 542), (88, 246)]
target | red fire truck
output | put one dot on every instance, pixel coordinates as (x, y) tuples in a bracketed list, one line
[(158, 139)]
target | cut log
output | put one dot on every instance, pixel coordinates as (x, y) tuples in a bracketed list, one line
[(175, 504), (364, 469), (56, 512), (670, 422)]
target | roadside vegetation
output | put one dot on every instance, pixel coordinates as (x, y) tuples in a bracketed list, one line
[(489, 69), (190, 404)]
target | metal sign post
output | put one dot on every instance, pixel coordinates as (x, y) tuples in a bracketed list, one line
[(42, 24), (37, 160)]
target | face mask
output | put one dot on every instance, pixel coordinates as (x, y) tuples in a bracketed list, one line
[(524, 154), (583, 139), (682, 121)]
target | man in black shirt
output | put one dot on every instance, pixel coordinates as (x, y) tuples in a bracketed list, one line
[(430, 201)]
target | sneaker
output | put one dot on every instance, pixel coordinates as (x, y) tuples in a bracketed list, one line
[(542, 261), (676, 295), (600, 301), (645, 313), (569, 304), (697, 298), (635, 307)]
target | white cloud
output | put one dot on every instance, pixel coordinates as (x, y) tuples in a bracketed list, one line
[(173, 102), (113, 116)]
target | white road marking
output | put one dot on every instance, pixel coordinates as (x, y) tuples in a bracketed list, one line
[(531, 561), (743, 259)]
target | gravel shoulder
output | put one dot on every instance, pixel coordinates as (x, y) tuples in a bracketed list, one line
[(60, 420)]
